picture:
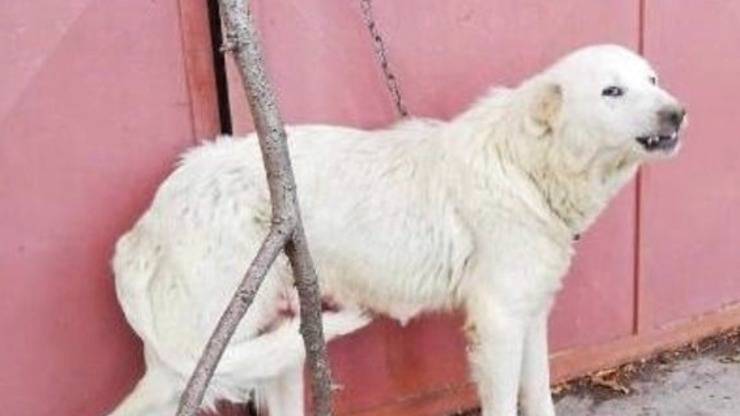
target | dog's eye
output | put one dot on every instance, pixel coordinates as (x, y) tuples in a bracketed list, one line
[(612, 91), (653, 80)]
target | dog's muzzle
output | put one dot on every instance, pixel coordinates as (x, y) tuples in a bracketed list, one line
[(670, 120), (659, 141)]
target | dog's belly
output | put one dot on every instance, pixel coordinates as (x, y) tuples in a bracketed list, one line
[(396, 269), (385, 291)]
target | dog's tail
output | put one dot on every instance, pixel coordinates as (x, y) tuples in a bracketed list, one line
[(242, 368), (245, 365), (273, 353), (249, 364)]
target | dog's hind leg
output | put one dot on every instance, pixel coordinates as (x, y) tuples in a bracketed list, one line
[(156, 394)]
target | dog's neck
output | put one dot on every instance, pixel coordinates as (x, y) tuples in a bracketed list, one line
[(574, 195), (578, 197)]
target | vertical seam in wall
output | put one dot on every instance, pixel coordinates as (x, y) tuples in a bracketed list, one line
[(637, 324), (219, 69), (185, 69)]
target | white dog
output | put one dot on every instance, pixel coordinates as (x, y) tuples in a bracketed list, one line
[(478, 213)]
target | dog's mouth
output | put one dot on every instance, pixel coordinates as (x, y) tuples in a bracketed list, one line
[(656, 142)]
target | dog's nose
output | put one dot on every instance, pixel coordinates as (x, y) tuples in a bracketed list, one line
[(672, 115)]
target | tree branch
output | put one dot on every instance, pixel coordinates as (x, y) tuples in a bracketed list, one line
[(286, 231), (311, 328), (227, 324)]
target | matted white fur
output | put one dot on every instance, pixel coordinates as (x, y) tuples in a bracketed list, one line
[(478, 213)]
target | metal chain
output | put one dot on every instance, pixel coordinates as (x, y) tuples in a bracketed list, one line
[(381, 53)]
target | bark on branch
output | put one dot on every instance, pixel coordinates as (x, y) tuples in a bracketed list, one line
[(286, 231)]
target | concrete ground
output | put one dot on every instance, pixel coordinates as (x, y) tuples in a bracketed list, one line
[(698, 380), (700, 386)]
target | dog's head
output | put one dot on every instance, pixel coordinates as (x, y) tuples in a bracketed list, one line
[(604, 101)]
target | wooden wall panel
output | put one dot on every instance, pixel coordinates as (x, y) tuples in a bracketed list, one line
[(94, 107), (690, 255)]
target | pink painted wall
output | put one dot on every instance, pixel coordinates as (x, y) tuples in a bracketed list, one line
[(93, 108), (690, 254), (97, 97)]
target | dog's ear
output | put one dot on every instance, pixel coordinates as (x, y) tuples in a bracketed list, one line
[(544, 107)]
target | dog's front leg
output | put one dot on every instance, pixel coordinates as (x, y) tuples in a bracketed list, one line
[(497, 340), (535, 387)]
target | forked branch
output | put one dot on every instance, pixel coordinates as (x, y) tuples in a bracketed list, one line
[(286, 232)]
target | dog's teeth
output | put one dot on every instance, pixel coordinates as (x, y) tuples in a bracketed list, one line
[(674, 135)]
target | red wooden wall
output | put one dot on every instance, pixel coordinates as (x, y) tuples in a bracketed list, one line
[(690, 256), (97, 97), (94, 106)]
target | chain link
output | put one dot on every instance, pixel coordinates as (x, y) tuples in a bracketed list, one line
[(382, 55)]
